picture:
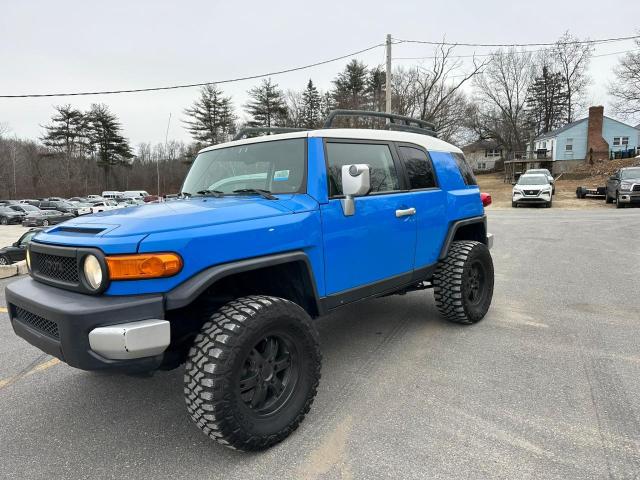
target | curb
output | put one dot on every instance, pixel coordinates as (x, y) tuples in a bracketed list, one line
[(18, 268)]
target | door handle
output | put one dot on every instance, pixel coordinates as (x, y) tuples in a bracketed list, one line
[(406, 212)]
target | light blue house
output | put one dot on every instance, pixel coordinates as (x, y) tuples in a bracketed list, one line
[(597, 137)]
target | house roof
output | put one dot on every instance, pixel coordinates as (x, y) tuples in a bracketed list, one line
[(480, 145), (558, 131)]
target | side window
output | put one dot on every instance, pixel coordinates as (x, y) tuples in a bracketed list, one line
[(384, 177), (465, 169), (419, 168)]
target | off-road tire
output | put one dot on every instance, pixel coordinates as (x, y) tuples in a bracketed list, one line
[(218, 359), (451, 279)]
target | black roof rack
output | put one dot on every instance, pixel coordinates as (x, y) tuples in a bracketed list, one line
[(396, 122), (255, 131)]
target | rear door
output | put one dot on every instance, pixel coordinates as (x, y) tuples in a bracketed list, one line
[(429, 201), (374, 244)]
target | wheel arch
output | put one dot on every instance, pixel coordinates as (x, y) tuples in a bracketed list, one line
[(474, 228), (288, 275)]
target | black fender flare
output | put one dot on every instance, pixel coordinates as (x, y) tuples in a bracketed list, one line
[(189, 290), (455, 226)]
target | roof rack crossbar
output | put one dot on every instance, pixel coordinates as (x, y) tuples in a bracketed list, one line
[(420, 126), (254, 131)]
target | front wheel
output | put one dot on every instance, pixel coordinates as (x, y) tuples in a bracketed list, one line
[(618, 204), (4, 221), (45, 223), (4, 260), (252, 373), (463, 282)]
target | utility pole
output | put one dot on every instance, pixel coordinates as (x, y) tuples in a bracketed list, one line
[(388, 76)]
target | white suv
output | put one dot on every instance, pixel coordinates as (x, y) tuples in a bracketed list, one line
[(532, 188), (544, 171)]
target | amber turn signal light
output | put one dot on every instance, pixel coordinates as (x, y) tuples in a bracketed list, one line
[(144, 265)]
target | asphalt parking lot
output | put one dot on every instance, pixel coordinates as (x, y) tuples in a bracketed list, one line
[(547, 386)]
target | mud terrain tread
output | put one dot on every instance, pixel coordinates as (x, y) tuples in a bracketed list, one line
[(209, 369), (447, 283)]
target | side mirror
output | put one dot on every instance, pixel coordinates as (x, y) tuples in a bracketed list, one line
[(16, 244), (513, 183), (613, 177), (356, 181)]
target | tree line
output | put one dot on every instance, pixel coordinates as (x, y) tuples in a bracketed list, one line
[(508, 96)]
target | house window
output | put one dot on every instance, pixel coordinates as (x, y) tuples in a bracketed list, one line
[(492, 152), (544, 145), (482, 165), (569, 145), (621, 142)]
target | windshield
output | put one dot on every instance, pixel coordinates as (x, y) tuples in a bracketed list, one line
[(533, 180), (630, 173), (277, 166)]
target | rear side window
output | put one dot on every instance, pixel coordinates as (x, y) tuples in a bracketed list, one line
[(419, 168), (465, 169), (384, 176)]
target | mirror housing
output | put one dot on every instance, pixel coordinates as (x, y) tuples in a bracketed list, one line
[(513, 183), (356, 181)]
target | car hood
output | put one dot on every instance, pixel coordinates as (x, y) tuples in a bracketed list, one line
[(161, 217)]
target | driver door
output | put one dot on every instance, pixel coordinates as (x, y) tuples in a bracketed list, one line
[(373, 249)]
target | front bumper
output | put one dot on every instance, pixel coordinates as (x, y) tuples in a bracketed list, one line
[(629, 197), (67, 324)]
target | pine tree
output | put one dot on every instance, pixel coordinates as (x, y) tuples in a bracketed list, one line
[(547, 102), (67, 135), (107, 143), (376, 82), (350, 86), (267, 106), (211, 118), (311, 105)]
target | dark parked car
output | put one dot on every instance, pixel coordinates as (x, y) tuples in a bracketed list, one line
[(24, 208), (9, 215), (624, 187), (44, 218), (18, 250), (59, 205)]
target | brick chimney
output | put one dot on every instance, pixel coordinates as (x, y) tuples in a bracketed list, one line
[(597, 147)]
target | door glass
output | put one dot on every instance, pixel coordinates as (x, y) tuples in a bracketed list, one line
[(383, 173), (418, 167)]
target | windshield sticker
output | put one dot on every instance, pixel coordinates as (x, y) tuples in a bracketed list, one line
[(281, 176)]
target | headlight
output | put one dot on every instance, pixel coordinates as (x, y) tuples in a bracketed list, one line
[(625, 186), (92, 271)]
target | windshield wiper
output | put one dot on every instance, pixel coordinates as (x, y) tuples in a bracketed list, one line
[(213, 193), (264, 193)]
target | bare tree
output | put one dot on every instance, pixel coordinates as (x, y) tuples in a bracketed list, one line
[(501, 94), (626, 88), (572, 59), (295, 108), (434, 92)]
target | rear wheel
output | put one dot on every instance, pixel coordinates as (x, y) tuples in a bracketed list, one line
[(4, 260), (252, 373), (4, 221), (45, 223), (463, 282)]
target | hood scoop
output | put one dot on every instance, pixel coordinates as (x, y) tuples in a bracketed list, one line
[(79, 230)]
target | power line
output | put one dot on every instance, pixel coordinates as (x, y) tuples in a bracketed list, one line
[(503, 53), (573, 42), (191, 85)]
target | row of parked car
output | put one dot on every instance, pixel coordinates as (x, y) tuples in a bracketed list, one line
[(54, 210)]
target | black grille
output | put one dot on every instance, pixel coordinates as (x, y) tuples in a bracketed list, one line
[(531, 192), (55, 267), (636, 187), (37, 322)]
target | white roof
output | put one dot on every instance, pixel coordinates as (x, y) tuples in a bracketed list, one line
[(426, 141)]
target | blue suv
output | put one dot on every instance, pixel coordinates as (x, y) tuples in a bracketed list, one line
[(271, 232)]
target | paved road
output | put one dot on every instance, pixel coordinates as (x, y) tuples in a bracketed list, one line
[(547, 386)]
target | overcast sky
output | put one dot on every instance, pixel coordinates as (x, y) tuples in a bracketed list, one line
[(51, 46)]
